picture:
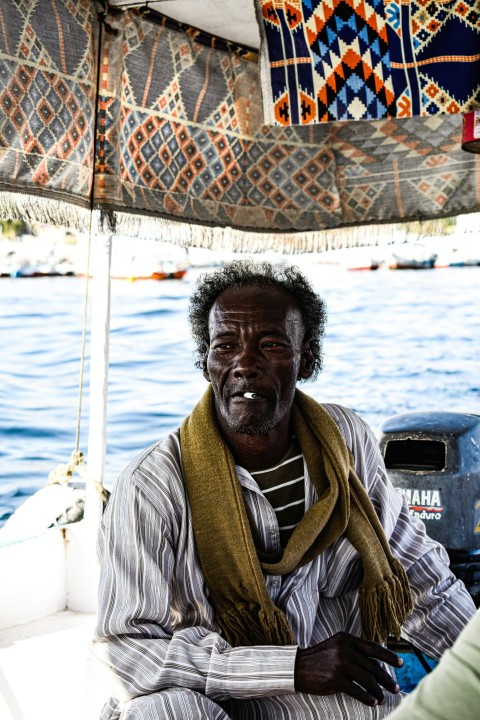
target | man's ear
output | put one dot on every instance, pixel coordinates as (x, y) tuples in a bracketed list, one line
[(307, 360)]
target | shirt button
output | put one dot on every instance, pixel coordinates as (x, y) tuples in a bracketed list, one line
[(272, 531), (276, 582)]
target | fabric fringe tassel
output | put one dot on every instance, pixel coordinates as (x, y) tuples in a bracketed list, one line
[(276, 629), (41, 209), (237, 625), (38, 208), (389, 601), (247, 241)]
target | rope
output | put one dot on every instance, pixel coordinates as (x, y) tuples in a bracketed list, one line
[(63, 474), (85, 475)]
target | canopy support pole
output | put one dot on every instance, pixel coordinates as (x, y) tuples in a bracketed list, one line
[(99, 362), (82, 565)]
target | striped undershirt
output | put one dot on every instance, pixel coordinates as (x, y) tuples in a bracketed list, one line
[(284, 487)]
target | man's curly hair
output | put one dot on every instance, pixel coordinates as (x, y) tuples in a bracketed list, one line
[(241, 273)]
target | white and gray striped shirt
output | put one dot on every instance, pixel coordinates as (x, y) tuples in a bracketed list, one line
[(155, 627)]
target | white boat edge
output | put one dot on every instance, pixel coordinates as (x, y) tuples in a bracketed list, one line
[(46, 625)]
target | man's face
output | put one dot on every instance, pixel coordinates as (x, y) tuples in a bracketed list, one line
[(256, 346)]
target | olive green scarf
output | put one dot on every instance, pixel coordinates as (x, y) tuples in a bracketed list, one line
[(233, 573)]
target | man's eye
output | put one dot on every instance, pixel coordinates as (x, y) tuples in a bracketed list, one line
[(224, 346), (271, 344)]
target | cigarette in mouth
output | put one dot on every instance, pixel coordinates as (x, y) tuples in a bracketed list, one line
[(250, 395)]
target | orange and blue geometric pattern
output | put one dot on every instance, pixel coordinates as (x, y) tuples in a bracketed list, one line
[(370, 59), (435, 55)]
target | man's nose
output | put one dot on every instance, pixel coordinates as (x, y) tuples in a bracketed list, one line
[(247, 363)]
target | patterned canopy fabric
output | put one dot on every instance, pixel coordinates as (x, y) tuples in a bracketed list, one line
[(48, 59), (180, 136), (369, 59)]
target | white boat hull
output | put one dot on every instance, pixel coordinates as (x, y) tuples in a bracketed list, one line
[(47, 617)]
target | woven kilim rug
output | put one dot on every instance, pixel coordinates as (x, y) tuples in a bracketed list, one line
[(180, 136), (48, 57), (189, 142), (368, 59)]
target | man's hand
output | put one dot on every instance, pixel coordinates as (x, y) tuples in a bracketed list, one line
[(348, 664)]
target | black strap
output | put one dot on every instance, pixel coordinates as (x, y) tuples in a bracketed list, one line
[(421, 658)]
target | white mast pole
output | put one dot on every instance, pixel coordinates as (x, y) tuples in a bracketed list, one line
[(99, 361), (82, 566)]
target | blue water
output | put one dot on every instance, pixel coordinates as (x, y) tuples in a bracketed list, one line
[(396, 341)]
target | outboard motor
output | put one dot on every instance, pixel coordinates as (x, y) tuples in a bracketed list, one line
[(434, 457)]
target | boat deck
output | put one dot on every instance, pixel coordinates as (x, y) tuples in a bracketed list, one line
[(48, 672)]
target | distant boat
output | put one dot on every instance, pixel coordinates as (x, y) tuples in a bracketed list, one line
[(157, 275), (411, 256), (465, 255), (372, 265), (406, 263), (458, 249), (61, 269), (468, 262), (145, 267)]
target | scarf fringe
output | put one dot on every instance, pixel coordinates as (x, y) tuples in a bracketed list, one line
[(384, 608), (240, 622)]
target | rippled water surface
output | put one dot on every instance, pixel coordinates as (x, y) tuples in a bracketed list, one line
[(396, 341)]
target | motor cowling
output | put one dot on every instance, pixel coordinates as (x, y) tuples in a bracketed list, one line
[(434, 458)]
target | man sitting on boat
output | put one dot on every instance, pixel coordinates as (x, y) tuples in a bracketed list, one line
[(255, 561)]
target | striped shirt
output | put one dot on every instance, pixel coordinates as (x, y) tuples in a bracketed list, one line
[(155, 625), (284, 487)]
